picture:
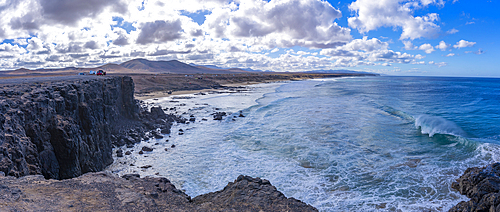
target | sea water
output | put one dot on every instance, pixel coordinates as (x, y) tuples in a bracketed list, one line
[(345, 144)]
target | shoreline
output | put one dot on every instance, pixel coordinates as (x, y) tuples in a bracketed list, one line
[(151, 87), (163, 94)]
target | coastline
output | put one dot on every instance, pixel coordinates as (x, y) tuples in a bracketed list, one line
[(162, 94), (14, 191), (158, 86), (133, 192)]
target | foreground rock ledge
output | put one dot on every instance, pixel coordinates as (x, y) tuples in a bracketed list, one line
[(103, 191), (482, 186)]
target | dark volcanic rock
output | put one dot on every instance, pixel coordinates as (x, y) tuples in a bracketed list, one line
[(219, 115), (482, 186), (147, 149), (103, 191), (66, 128), (62, 129), (249, 194), (119, 153)]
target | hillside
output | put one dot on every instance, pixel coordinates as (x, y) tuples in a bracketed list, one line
[(135, 66)]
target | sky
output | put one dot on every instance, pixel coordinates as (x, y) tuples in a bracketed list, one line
[(393, 37)]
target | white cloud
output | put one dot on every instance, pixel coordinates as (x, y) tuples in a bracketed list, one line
[(366, 45), (409, 45), (463, 44), (284, 23), (443, 46), (427, 48), (440, 64), (367, 52), (478, 52), (159, 32), (450, 55), (452, 31), (371, 15), (234, 34), (9, 48)]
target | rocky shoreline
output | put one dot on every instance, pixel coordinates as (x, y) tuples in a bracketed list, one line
[(54, 132), (56, 137)]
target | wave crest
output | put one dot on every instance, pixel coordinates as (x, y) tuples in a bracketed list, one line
[(432, 125)]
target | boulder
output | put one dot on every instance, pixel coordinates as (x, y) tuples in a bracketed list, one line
[(147, 149)]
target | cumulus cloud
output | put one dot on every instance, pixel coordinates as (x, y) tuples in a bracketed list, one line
[(450, 55), (443, 46), (122, 40), (69, 12), (371, 15), (409, 45), (463, 44), (452, 31), (159, 31), (57, 33), (91, 45), (367, 52), (427, 48), (283, 23), (9, 48)]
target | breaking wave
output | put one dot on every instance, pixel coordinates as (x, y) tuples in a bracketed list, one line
[(432, 125)]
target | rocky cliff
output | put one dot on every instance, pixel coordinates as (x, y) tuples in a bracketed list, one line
[(64, 129)]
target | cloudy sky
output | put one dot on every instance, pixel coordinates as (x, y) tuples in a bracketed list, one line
[(395, 37)]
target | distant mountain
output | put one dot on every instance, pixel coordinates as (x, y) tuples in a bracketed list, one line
[(207, 66), (219, 68), (144, 66), (172, 66), (139, 66)]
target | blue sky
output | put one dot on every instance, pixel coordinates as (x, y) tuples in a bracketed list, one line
[(394, 37)]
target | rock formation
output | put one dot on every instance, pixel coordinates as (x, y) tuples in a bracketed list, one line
[(249, 194), (103, 191), (64, 129), (482, 186)]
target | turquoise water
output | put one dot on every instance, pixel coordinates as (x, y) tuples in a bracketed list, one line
[(351, 144)]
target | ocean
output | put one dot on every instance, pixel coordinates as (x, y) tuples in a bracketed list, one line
[(343, 144)]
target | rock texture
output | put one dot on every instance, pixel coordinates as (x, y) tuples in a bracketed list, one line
[(482, 186), (249, 194), (105, 192), (66, 128)]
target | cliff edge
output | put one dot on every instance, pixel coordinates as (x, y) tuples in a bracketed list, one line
[(64, 129), (103, 191)]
